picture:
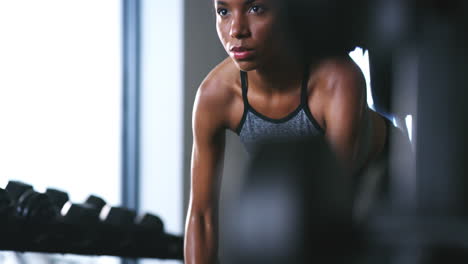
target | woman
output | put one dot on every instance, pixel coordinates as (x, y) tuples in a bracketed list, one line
[(267, 89)]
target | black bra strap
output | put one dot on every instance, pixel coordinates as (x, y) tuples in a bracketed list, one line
[(243, 76), (305, 81)]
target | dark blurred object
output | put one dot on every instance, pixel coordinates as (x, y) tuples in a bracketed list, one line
[(390, 30), (296, 205), (323, 27), (442, 160), (418, 53)]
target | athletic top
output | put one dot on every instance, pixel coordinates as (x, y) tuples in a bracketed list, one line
[(256, 128)]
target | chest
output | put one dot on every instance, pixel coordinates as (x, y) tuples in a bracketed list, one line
[(255, 129), (276, 106)]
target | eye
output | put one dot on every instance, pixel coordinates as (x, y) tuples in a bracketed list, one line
[(222, 11), (256, 9)]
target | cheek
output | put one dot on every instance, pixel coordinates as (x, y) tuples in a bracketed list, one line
[(264, 32), (222, 33)]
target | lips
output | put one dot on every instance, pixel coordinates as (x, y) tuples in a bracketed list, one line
[(242, 53)]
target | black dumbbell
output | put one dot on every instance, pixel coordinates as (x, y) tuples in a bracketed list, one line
[(96, 202), (81, 214), (29, 204), (57, 197), (150, 223), (88, 230), (6, 204), (33, 214), (120, 226), (16, 189), (9, 230), (120, 217), (149, 235), (80, 226)]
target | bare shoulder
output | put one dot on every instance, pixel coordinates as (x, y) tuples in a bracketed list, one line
[(335, 83), (218, 85), (341, 75), (217, 92)]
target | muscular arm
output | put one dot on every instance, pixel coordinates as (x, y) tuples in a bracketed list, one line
[(347, 117), (207, 156)]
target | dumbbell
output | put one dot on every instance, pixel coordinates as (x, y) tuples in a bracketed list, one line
[(29, 204), (6, 213), (120, 217), (79, 221), (151, 238), (134, 232), (16, 189), (149, 228), (83, 228), (124, 227), (57, 197), (6, 205), (96, 202), (33, 214), (7, 230), (119, 225), (82, 224), (150, 223), (89, 231), (126, 221)]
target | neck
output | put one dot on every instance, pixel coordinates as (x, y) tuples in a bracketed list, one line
[(278, 76)]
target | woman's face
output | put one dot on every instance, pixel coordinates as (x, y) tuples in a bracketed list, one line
[(246, 30)]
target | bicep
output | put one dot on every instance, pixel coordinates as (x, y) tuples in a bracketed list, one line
[(346, 118)]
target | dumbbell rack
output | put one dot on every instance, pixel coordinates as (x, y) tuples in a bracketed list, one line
[(24, 237), (51, 232)]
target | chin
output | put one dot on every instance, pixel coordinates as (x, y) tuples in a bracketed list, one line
[(246, 65)]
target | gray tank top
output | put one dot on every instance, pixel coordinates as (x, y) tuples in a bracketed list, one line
[(256, 128)]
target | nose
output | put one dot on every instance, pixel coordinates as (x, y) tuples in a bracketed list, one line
[(239, 27)]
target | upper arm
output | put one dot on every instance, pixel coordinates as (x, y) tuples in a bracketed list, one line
[(346, 114), (208, 148)]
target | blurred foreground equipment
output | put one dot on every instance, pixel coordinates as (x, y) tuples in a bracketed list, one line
[(296, 204)]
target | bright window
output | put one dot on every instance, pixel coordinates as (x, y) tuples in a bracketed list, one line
[(60, 97)]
